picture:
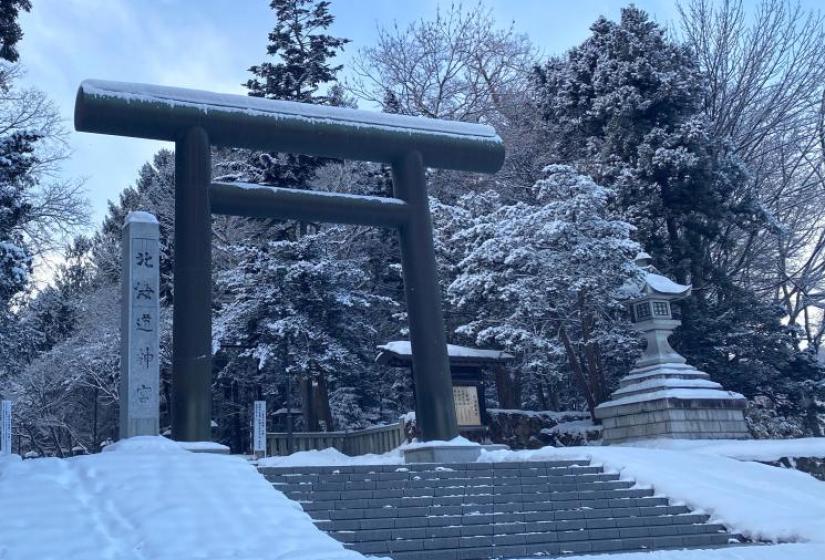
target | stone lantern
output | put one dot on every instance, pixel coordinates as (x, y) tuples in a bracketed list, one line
[(664, 396)]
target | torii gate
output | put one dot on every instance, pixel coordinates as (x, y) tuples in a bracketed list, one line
[(196, 120)]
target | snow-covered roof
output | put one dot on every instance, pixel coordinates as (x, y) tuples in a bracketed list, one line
[(659, 284), (403, 349)]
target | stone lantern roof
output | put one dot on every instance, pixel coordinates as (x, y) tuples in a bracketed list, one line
[(654, 284)]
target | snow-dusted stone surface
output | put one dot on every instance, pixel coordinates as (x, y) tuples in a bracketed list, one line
[(747, 450), (759, 501), (206, 100), (774, 552), (146, 498)]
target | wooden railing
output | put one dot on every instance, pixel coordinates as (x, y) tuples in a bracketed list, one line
[(377, 439)]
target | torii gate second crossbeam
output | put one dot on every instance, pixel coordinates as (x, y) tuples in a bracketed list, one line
[(196, 120)]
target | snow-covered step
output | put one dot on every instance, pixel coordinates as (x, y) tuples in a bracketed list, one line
[(420, 486), (600, 518), (481, 511)]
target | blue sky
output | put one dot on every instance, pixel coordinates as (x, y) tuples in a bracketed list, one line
[(209, 44)]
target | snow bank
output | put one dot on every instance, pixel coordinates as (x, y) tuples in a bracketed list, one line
[(775, 552), (146, 498), (458, 441), (330, 457), (745, 450), (758, 501)]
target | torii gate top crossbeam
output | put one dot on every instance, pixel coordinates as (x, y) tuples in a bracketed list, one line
[(164, 113)]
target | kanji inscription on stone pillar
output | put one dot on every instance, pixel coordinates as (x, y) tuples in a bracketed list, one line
[(259, 429), (5, 427), (139, 358)]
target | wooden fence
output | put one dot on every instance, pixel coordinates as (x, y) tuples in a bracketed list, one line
[(377, 439)]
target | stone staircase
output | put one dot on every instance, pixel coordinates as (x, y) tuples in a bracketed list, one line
[(483, 511)]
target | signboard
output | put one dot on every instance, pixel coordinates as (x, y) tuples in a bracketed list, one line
[(259, 428), (467, 410), (5, 428)]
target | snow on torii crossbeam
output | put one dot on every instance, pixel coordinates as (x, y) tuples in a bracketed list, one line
[(196, 120)]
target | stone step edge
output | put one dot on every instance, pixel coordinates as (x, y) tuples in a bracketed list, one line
[(711, 528), (447, 483), (469, 475), (361, 513), (535, 512), (595, 545), (456, 520), (442, 491), (550, 550), (441, 479), (426, 467), (583, 495)]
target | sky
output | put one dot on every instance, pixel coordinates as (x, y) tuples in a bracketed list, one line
[(210, 44)]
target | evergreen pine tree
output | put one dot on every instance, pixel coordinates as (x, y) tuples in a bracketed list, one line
[(10, 32), (303, 68), (299, 311)]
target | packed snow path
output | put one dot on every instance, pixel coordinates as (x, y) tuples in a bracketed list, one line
[(490, 510), (146, 498)]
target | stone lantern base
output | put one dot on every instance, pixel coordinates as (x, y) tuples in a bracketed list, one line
[(671, 400)]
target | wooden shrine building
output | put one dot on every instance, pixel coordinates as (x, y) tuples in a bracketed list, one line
[(467, 367)]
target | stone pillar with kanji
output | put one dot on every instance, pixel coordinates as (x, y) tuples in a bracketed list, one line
[(139, 355)]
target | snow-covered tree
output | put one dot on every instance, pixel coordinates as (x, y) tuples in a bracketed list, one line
[(303, 52), (301, 314), (10, 32), (625, 106), (16, 161), (545, 282)]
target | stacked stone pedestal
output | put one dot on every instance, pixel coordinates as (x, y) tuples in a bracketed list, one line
[(664, 396), (671, 401)]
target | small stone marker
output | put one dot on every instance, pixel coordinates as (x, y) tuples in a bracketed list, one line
[(5, 428), (140, 364), (259, 429)]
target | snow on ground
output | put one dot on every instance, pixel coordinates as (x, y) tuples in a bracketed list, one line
[(745, 450), (331, 457), (773, 552), (759, 501), (147, 499)]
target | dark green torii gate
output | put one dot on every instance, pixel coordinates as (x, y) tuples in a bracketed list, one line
[(195, 120)]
